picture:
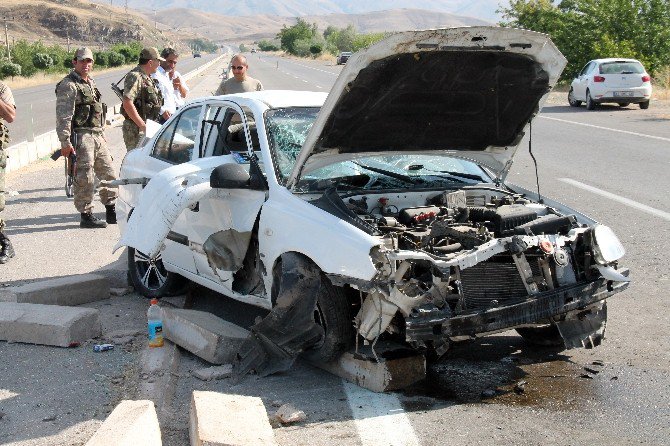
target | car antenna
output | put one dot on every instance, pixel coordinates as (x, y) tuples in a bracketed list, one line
[(530, 150)]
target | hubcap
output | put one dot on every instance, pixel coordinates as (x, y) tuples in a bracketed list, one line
[(151, 271)]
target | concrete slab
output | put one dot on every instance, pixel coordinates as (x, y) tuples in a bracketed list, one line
[(393, 371), (203, 334), (131, 423), (47, 324), (158, 367), (68, 291), (214, 372), (218, 419)]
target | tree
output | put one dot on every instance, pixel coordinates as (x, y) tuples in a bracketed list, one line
[(288, 36), (315, 49), (266, 45), (42, 61), (10, 69), (101, 58), (115, 59), (592, 29)]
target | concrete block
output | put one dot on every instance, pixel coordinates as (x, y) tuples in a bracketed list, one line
[(47, 324), (203, 334), (68, 291), (392, 372), (131, 423), (218, 419)]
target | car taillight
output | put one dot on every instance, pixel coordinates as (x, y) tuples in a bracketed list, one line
[(598, 79), (646, 78)]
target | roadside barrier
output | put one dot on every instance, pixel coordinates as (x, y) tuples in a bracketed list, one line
[(24, 153)]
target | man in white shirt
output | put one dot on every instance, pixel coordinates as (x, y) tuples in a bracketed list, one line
[(171, 84)]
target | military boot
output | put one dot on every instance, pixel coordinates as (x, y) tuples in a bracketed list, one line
[(88, 220), (110, 214), (6, 249)]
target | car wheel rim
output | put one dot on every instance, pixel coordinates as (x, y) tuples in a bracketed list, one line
[(151, 272)]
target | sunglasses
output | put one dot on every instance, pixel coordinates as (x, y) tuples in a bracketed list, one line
[(237, 68)]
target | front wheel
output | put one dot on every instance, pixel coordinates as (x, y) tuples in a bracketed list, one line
[(149, 276), (571, 99), (590, 103), (644, 105)]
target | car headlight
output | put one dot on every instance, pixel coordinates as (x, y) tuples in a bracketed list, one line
[(606, 246)]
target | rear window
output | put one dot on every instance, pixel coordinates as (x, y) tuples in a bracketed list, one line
[(621, 68)]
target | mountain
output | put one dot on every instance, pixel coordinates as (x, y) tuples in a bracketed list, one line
[(226, 28), (482, 9)]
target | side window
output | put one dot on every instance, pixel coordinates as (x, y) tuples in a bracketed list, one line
[(586, 69), (176, 143), (232, 137)]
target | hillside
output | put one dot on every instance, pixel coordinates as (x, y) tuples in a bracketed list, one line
[(80, 22), (482, 9), (225, 28)]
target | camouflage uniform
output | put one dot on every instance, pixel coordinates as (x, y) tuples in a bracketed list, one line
[(80, 111), (7, 97), (147, 98)]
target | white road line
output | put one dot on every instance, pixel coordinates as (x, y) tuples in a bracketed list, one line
[(660, 138), (620, 199), (316, 69), (379, 417)]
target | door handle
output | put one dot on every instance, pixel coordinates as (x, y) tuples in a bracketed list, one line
[(195, 207)]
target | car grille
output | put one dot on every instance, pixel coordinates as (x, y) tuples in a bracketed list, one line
[(494, 283)]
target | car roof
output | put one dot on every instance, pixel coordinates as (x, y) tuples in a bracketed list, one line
[(615, 59), (281, 98)]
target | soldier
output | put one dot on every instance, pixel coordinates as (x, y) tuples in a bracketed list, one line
[(80, 121), (142, 98), (8, 113)]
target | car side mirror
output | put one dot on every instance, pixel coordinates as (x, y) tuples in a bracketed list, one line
[(229, 176)]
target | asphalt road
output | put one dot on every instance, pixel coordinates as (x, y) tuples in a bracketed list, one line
[(611, 164), (36, 106)]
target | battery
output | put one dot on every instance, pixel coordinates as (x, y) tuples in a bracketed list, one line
[(103, 347)]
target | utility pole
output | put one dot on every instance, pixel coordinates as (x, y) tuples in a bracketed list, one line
[(126, 6), (9, 54), (155, 25)]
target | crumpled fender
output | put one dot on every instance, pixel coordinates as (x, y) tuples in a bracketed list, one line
[(289, 329), (166, 196)]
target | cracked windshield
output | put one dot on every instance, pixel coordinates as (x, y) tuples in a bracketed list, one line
[(288, 128)]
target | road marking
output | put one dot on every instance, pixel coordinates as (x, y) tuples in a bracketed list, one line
[(620, 199), (379, 417), (660, 138), (317, 69)]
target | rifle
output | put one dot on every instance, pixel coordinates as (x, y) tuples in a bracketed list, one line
[(118, 91), (70, 165)]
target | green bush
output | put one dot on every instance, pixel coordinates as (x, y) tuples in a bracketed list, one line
[(267, 45), (130, 52), (101, 58), (316, 49), (10, 69), (116, 59), (67, 63), (42, 61)]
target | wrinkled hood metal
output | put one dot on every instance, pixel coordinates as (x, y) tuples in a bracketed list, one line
[(466, 92)]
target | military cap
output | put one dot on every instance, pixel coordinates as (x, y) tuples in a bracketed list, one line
[(150, 53), (83, 53)]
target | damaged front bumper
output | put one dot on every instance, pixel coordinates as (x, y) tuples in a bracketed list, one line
[(429, 324)]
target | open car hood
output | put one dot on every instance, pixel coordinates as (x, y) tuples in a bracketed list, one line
[(466, 92)]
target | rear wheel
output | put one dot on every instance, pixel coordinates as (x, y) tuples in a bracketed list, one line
[(547, 335), (644, 105), (571, 99), (149, 276), (590, 103)]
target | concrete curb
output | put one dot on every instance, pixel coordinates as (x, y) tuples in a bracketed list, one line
[(131, 423), (24, 153), (66, 291)]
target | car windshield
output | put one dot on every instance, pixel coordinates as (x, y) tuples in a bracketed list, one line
[(288, 127), (621, 68)]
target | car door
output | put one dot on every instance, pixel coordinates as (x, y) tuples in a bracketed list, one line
[(175, 145), (220, 225), (582, 81)]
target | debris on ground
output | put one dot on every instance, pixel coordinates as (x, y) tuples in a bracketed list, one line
[(117, 292), (598, 362), (586, 376), (277, 403), (51, 417), (2, 415), (215, 372), (488, 393), (590, 370), (287, 414), (520, 387)]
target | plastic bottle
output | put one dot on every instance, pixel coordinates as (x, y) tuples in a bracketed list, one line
[(155, 324)]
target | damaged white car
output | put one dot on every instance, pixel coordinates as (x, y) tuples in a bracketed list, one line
[(379, 211)]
